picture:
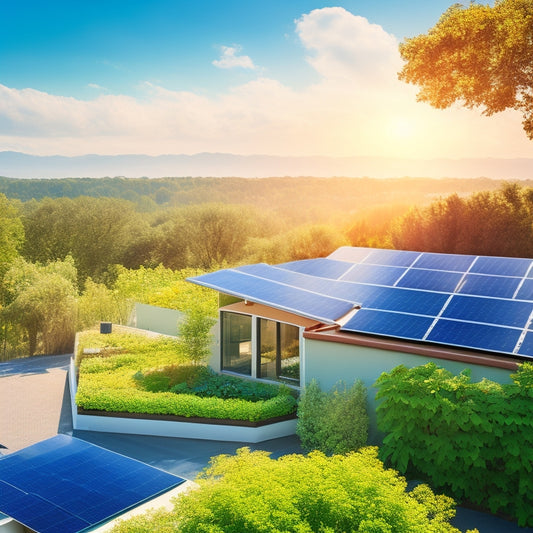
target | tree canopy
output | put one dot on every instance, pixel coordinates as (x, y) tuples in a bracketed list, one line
[(479, 56)]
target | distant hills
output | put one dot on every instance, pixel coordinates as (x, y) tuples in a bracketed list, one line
[(20, 165)]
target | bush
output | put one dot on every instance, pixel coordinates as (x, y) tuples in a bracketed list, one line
[(472, 440), (334, 422), (252, 493)]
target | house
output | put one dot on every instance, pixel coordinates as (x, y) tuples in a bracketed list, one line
[(362, 311)]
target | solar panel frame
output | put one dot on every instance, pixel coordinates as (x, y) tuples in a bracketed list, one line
[(501, 266), (430, 280), (446, 262)]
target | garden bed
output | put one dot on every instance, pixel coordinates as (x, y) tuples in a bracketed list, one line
[(130, 386)]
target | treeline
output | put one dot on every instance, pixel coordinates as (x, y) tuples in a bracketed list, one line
[(65, 262)]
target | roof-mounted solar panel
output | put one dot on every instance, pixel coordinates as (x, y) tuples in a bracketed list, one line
[(501, 266), (485, 285), (374, 274), (449, 262), (391, 257), (286, 297), (321, 267)]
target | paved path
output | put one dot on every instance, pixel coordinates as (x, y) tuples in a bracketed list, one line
[(31, 399), (35, 405)]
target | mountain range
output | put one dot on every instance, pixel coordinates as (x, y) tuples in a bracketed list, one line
[(21, 165)]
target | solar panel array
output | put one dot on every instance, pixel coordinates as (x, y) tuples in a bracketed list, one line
[(476, 302), (64, 485)]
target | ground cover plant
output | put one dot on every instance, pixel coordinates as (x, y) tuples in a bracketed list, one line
[(127, 373), (252, 493), (474, 441)]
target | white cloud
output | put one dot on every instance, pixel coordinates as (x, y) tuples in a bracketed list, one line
[(96, 86), (357, 108), (230, 59)]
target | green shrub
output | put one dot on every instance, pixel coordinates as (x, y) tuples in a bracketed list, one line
[(472, 440), (333, 422), (252, 493)]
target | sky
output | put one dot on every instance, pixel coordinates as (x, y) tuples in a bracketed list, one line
[(276, 77)]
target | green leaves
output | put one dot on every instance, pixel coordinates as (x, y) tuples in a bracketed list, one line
[(252, 493), (333, 422), (473, 440), (477, 55)]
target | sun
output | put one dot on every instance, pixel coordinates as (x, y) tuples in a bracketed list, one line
[(401, 128)]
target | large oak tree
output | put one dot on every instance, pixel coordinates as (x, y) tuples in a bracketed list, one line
[(478, 56)]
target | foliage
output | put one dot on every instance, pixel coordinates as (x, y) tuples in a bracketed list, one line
[(478, 55), (333, 422), (468, 225), (11, 234), (473, 440), (204, 382), (97, 304), (112, 380), (42, 300), (94, 231), (252, 493)]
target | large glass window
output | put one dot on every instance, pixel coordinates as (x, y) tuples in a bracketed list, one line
[(278, 351), (237, 343)]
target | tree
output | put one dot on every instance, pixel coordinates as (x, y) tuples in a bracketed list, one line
[(479, 56), (43, 302), (96, 232)]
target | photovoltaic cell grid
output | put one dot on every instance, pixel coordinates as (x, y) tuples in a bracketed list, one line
[(64, 485), (477, 302)]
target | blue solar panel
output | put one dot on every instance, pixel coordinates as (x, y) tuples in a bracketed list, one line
[(291, 299), (322, 267), (375, 274), (65, 485), (525, 292), (526, 349), (478, 336), (388, 324), (430, 280), (405, 301), (501, 266), (489, 310), (391, 257), (450, 262), (484, 285)]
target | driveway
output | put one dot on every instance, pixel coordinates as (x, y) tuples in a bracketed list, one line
[(35, 405)]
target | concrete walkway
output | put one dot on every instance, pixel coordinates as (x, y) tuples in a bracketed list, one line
[(35, 405)]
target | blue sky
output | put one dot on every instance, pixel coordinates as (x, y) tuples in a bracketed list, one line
[(238, 76)]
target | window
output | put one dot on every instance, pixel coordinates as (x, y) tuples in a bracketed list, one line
[(279, 350), (260, 348), (237, 343)]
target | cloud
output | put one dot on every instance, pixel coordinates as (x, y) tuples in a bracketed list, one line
[(96, 86), (358, 107), (230, 59)]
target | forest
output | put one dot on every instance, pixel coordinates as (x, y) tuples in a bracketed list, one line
[(77, 251)]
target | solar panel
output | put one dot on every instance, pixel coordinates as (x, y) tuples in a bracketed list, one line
[(450, 262), (526, 349), (375, 274), (64, 485), (489, 310), (479, 336), (501, 266), (288, 298), (431, 280), (484, 285), (525, 291), (391, 257), (321, 267), (465, 298), (389, 324)]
